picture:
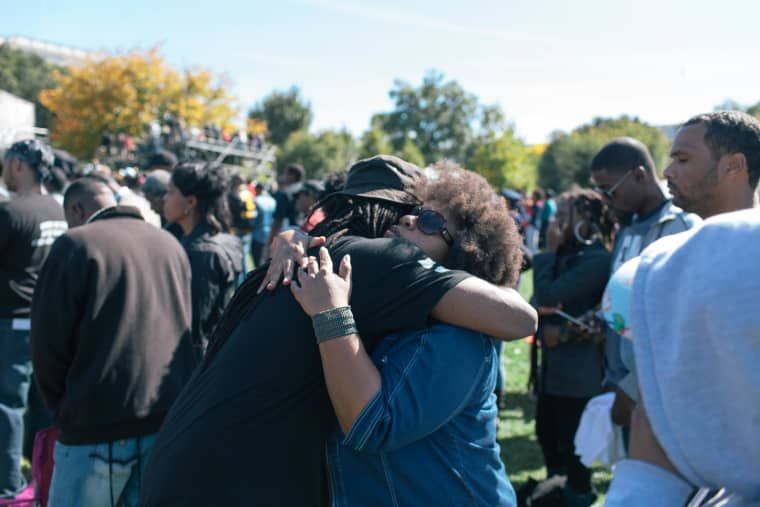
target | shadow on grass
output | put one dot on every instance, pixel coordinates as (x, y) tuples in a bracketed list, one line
[(519, 405), (522, 459), (520, 451)]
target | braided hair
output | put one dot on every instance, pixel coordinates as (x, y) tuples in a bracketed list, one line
[(358, 216), (349, 215), (36, 154)]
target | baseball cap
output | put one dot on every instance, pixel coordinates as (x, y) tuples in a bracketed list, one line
[(384, 177)]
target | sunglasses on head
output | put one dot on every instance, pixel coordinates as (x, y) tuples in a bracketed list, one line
[(431, 222)]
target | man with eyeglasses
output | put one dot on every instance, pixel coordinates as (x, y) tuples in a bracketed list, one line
[(29, 224), (624, 173)]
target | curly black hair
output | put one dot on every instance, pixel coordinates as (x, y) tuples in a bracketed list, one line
[(486, 241), (209, 183)]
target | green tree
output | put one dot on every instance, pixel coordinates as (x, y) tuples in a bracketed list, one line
[(567, 159), (376, 141), (411, 153), (26, 75), (320, 154), (505, 161), (437, 116), (730, 104), (284, 112)]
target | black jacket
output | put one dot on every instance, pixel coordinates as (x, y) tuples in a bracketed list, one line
[(216, 260), (110, 331), (575, 278)]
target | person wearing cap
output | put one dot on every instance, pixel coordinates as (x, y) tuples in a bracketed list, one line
[(310, 193), (417, 417), (251, 426), (29, 224)]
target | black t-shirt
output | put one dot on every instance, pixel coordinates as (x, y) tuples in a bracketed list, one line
[(250, 428), (286, 204), (29, 224)]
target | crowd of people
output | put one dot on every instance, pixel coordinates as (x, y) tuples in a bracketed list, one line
[(194, 338)]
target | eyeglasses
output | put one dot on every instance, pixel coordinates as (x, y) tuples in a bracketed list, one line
[(431, 222), (609, 193)]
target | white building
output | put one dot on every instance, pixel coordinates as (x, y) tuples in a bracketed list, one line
[(52, 53), (16, 119)]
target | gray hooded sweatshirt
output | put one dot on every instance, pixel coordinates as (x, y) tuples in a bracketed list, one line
[(696, 336)]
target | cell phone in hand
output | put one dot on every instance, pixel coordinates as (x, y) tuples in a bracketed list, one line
[(575, 321)]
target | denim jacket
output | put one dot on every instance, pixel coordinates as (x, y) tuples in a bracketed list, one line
[(428, 437)]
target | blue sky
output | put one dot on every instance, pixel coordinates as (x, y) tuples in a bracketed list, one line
[(551, 65)]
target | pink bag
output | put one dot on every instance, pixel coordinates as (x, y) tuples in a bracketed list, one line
[(36, 494), (42, 462)]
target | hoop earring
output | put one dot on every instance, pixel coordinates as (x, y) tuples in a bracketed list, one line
[(579, 238)]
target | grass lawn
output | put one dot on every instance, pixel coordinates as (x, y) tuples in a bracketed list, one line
[(519, 448)]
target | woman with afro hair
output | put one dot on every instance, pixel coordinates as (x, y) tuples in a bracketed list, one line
[(416, 418)]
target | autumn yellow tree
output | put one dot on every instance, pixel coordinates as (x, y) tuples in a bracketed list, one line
[(124, 92)]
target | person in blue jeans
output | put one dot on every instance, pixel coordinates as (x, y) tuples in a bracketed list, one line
[(111, 344), (417, 418), (29, 223)]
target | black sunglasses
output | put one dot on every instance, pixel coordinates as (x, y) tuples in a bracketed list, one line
[(431, 222), (609, 193)]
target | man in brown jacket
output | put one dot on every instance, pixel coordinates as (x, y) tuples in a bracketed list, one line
[(111, 342)]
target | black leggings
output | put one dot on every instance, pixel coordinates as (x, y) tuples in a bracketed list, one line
[(557, 419)]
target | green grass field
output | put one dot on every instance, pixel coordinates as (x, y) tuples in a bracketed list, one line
[(519, 448)]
